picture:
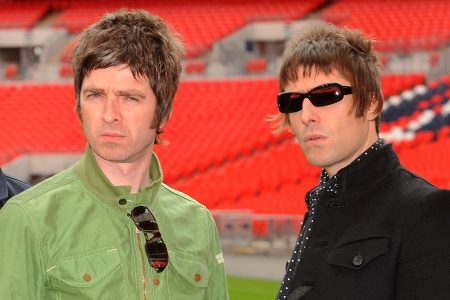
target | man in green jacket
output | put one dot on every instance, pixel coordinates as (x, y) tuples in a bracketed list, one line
[(108, 228)]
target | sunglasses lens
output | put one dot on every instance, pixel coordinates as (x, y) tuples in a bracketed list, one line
[(326, 95), (144, 219), (323, 95), (289, 102), (157, 254), (148, 226)]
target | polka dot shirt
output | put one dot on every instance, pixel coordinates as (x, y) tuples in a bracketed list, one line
[(312, 198)]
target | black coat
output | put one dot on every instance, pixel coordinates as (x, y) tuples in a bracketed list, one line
[(385, 235), (9, 187)]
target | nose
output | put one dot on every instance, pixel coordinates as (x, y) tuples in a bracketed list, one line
[(111, 110), (309, 112)]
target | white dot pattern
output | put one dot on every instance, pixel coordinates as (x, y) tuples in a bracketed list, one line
[(312, 198)]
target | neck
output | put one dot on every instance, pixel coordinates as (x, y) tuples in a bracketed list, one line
[(134, 174), (371, 139)]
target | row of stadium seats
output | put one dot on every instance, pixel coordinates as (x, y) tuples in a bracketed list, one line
[(264, 171), (22, 15), (39, 118), (423, 108), (390, 22), (432, 162), (394, 84)]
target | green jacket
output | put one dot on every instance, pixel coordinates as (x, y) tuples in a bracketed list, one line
[(69, 237)]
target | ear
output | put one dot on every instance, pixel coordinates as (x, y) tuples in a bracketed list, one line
[(372, 113)]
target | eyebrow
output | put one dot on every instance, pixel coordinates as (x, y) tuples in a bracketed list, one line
[(128, 92), (92, 90), (131, 92)]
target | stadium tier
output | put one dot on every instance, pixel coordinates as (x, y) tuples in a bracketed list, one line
[(390, 22), (221, 150), (200, 24), (22, 15)]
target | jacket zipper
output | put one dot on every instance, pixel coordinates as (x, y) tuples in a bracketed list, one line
[(144, 278)]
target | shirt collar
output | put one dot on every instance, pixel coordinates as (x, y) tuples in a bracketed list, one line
[(339, 182), (119, 197)]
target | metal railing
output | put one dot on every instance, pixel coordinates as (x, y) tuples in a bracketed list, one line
[(243, 231)]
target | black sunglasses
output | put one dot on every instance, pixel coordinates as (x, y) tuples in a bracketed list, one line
[(322, 95), (155, 248)]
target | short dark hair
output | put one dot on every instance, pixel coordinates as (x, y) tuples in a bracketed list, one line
[(139, 40), (322, 47)]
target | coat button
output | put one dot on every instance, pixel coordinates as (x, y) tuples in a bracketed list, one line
[(123, 201), (156, 281), (358, 260), (197, 277), (87, 277)]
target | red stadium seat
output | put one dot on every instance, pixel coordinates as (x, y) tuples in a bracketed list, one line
[(11, 71), (256, 65)]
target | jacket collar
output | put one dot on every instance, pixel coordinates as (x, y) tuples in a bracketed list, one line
[(370, 170), (3, 186), (118, 197)]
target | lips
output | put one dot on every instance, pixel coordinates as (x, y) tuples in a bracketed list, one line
[(112, 135), (314, 138)]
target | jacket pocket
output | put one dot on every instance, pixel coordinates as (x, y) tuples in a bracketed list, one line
[(358, 254), (187, 277), (94, 275)]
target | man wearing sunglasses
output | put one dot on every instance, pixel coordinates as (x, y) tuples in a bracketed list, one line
[(108, 227), (373, 230)]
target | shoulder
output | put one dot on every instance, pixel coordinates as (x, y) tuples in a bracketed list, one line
[(178, 196), (431, 219), (407, 185), (437, 202), (427, 238), (186, 205), (46, 188)]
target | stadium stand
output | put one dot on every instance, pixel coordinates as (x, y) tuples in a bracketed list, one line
[(22, 14), (221, 149), (199, 24), (227, 154), (392, 22)]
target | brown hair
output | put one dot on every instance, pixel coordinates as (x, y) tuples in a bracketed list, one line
[(322, 48), (140, 41)]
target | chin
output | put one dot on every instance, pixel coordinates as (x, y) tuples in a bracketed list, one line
[(112, 155), (316, 161)]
